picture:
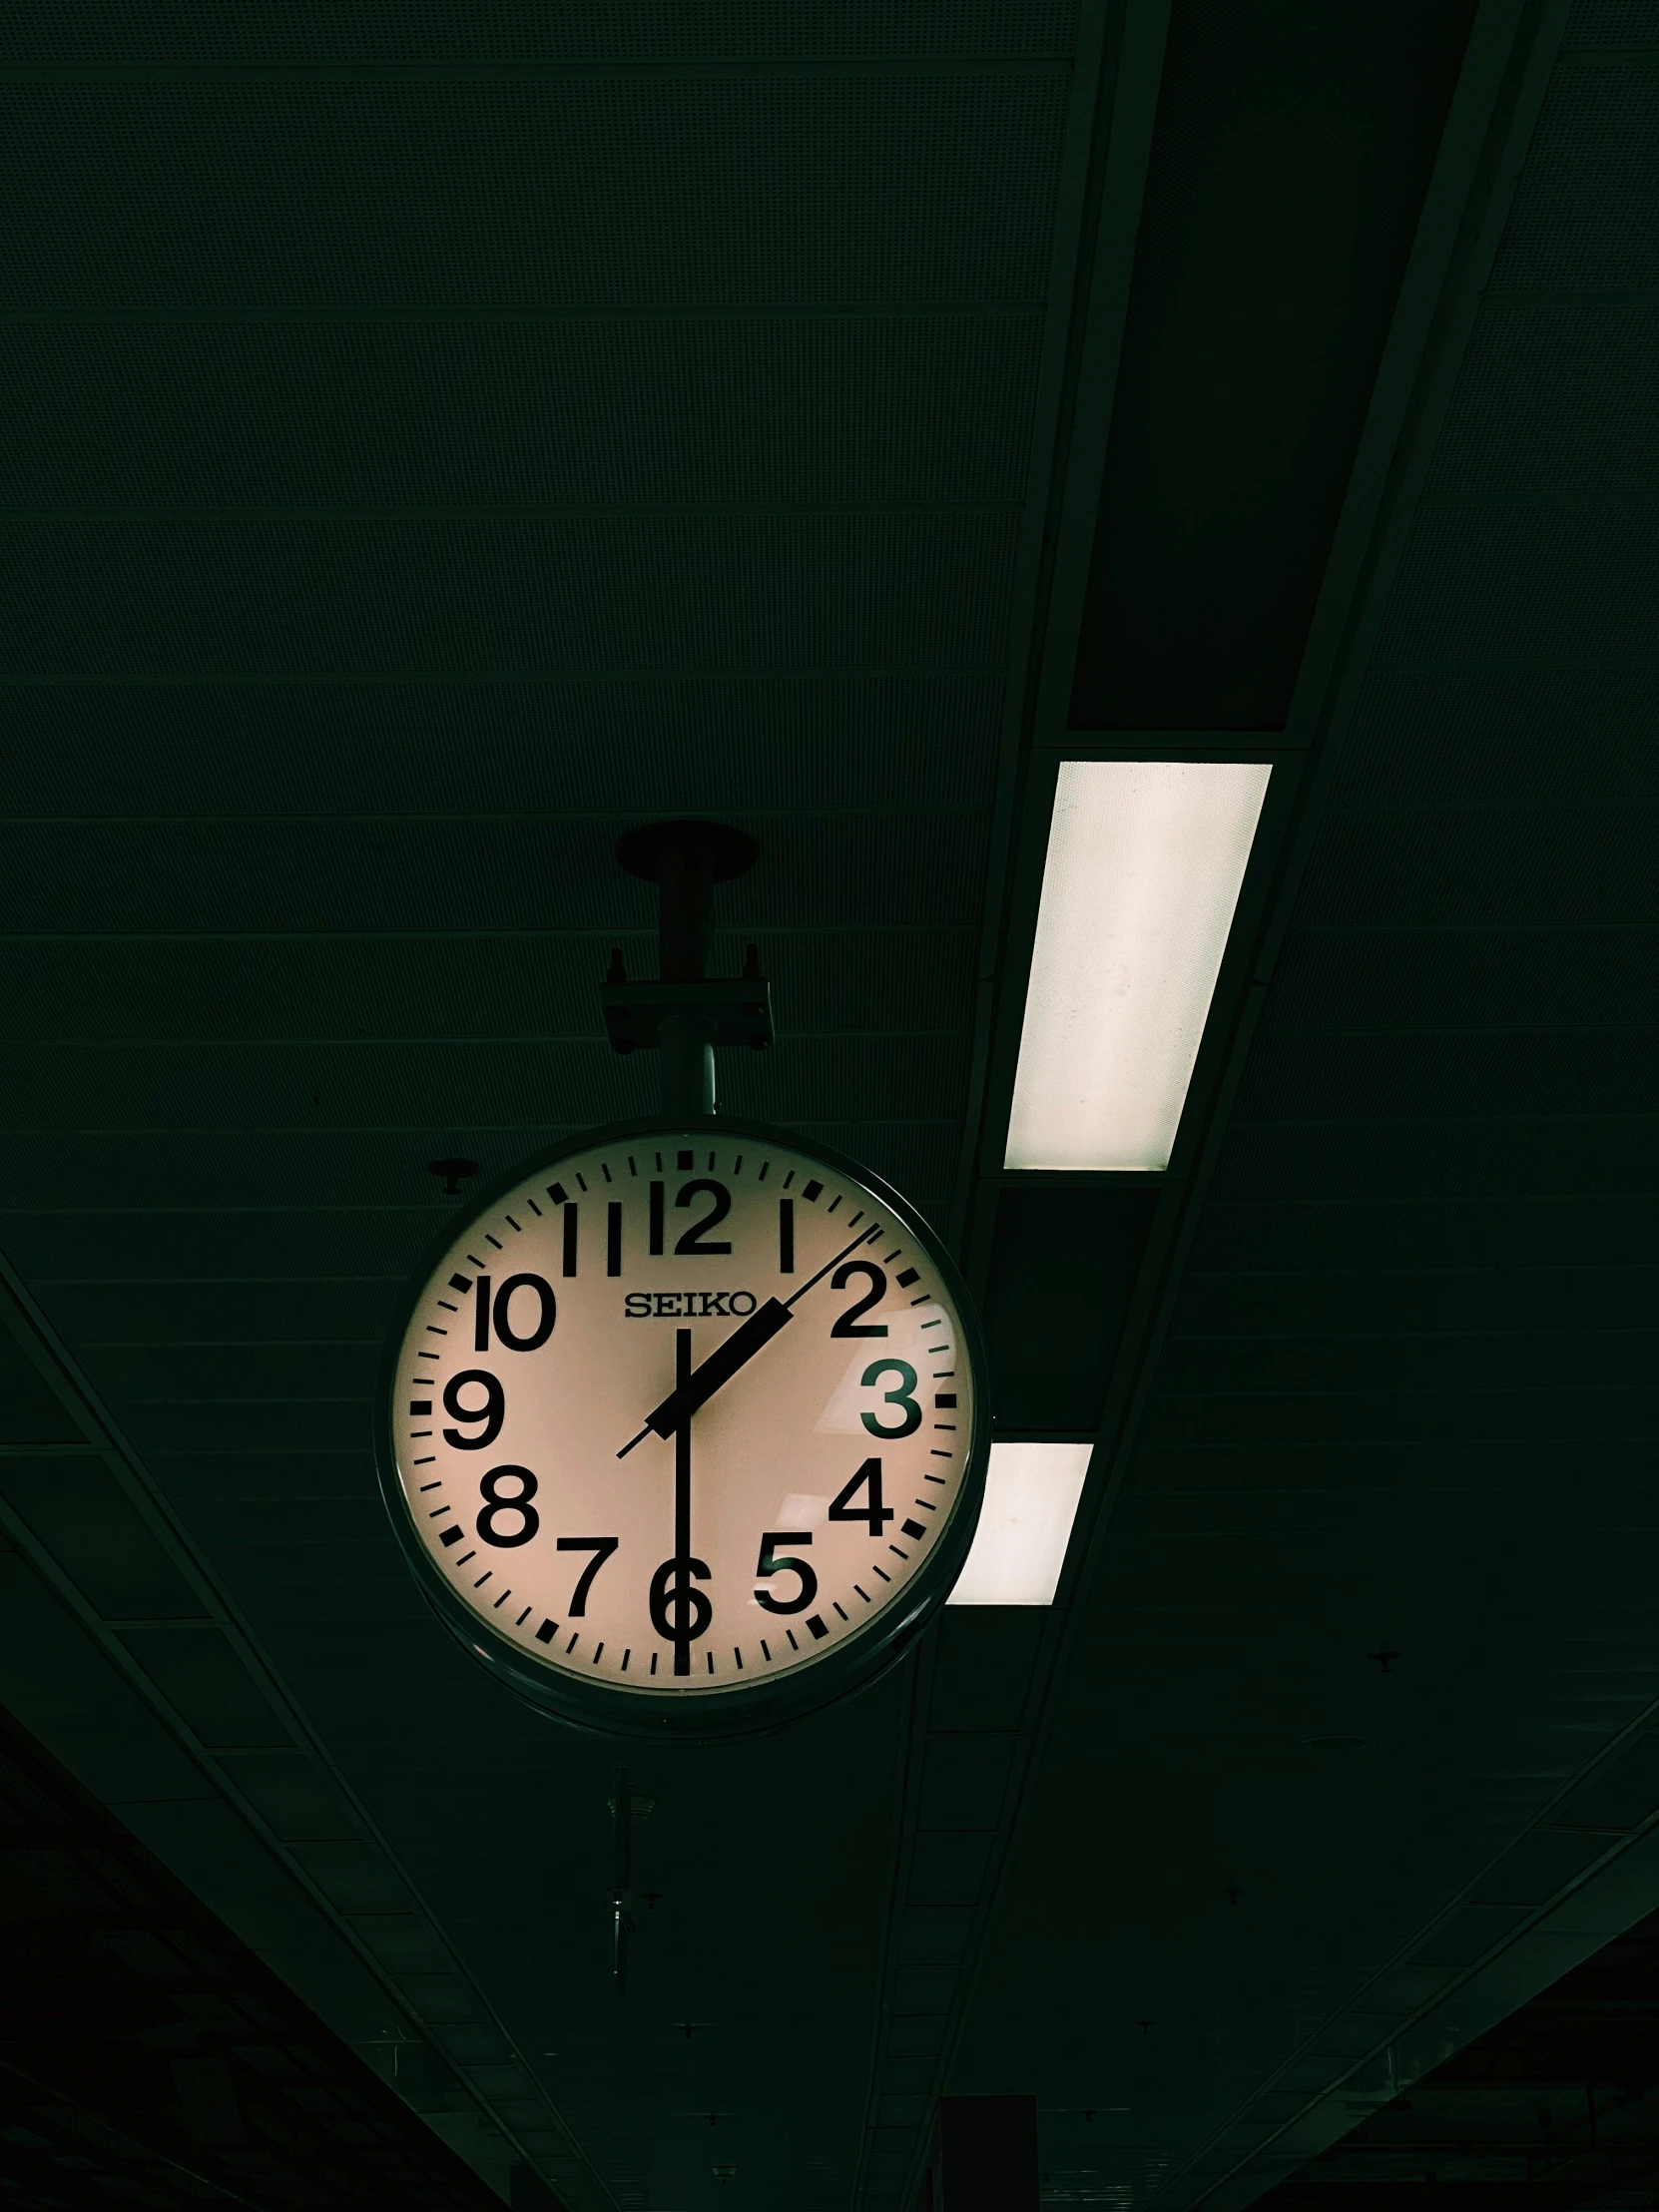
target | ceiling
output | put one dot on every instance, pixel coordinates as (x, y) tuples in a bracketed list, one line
[(442, 438)]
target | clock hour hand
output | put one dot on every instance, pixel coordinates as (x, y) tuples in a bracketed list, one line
[(725, 1359), (719, 1366)]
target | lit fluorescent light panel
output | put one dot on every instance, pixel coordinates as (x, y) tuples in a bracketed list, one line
[(1019, 1547), (1145, 860)]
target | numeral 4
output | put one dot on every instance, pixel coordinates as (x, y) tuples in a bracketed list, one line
[(875, 1516)]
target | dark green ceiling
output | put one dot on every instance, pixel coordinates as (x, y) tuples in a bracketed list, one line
[(441, 437)]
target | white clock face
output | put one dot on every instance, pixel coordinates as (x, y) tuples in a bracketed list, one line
[(683, 1414)]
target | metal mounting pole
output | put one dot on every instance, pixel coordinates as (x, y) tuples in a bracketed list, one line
[(686, 1014)]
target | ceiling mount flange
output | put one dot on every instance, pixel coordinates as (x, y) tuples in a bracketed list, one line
[(723, 851)]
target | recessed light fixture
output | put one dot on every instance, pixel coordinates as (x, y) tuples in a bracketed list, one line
[(1019, 1547), (1145, 860)]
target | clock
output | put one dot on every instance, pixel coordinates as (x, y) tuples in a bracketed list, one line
[(684, 1429)]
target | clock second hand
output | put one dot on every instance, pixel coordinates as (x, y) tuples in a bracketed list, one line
[(691, 1391)]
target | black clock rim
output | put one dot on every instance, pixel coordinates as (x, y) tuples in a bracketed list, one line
[(746, 1709)]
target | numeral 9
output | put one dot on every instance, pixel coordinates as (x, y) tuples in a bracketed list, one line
[(492, 1413)]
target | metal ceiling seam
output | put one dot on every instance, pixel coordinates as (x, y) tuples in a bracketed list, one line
[(38, 1341), (1106, 182)]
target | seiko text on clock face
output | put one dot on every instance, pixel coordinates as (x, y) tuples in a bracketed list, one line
[(683, 1413)]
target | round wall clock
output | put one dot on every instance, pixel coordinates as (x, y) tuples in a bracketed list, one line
[(684, 1429)]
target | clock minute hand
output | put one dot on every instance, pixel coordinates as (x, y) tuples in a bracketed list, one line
[(727, 1357)]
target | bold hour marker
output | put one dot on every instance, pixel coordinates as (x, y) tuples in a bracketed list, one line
[(450, 1536), (944, 1401), (818, 1624), (420, 1407), (569, 1233), (556, 1192), (613, 1234), (785, 1236), (914, 1530), (546, 1632), (683, 1160), (812, 1192), (907, 1278), (461, 1281)]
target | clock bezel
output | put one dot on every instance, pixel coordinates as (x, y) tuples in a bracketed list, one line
[(741, 1708)]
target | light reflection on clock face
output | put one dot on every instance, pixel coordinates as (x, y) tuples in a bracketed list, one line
[(683, 1413)]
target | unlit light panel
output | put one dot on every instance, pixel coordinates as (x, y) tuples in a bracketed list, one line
[(1019, 1547), (1145, 860)]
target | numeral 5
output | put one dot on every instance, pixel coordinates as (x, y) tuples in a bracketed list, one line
[(771, 1562)]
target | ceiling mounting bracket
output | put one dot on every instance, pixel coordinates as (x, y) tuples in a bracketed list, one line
[(686, 1013)]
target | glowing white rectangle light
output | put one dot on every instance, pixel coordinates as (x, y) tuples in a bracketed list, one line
[(1019, 1547), (1145, 860)]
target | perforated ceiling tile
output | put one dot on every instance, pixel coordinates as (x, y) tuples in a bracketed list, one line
[(438, 32), (1451, 1073), (1403, 982), (286, 1086), (1612, 23), (709, 594), (1557, 398), (1297, 1160), (1548, 583), (546, 745), (537, 983), (685, 190), (1585, 217), (579, 411), (466, 877), (1521, 868), (1521, 735), (1363, 1235)]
